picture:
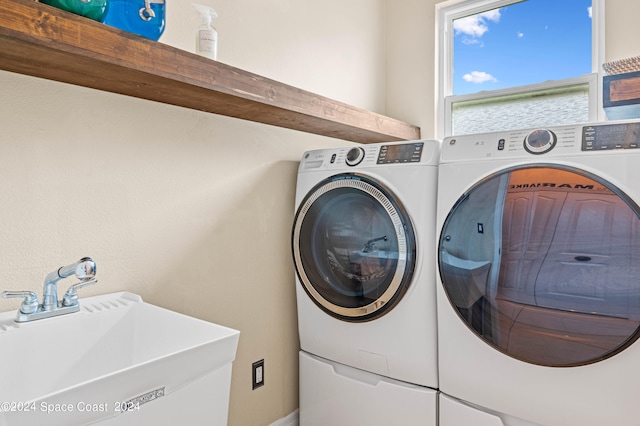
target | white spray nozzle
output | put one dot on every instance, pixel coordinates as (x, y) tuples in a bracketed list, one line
[(207, 13)]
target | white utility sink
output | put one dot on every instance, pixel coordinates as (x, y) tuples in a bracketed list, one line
[(119, 361)]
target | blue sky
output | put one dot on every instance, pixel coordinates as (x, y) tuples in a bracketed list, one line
[(524, 43)]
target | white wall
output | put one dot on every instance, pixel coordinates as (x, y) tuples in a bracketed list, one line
[(192, 211)]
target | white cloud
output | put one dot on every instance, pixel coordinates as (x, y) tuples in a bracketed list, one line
[(472, 41), (590, 12), (478, 77), (476, 25), (520, 35)]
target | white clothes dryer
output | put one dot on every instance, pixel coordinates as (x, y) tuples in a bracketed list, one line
[(539, 287)]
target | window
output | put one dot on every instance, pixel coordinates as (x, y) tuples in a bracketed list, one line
[(507, 64)]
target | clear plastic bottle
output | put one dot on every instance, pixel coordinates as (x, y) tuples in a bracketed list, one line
[(207, 36), (143, 17)]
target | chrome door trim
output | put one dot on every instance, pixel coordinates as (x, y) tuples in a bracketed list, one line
[(406, 254)]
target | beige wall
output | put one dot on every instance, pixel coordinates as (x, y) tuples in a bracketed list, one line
[(192, 211), (332, 48), (410, 68), (621, 29)]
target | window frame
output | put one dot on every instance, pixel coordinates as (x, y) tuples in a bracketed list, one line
[(450, 10)]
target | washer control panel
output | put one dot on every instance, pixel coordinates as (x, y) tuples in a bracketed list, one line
[(390, 154), (400, 153)]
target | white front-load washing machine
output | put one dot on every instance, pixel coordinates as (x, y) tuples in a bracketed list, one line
[(538, 288), (363, 248)]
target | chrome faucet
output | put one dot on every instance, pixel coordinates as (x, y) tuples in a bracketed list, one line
[(84, 269), (30, 310)]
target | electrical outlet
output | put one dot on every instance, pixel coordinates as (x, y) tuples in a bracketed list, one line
[(257, 374)]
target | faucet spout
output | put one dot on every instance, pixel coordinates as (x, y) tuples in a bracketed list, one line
[(84, 269), (31, 310)]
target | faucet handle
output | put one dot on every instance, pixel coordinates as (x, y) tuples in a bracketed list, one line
[(71, 296), (30, 303)]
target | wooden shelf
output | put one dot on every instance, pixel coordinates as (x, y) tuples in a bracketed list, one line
[(42, 41)]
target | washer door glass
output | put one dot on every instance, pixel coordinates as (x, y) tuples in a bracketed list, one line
[(354, 247), (543, 263)]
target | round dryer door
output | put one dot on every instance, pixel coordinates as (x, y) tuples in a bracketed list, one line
[(542, 262), (353, 247)]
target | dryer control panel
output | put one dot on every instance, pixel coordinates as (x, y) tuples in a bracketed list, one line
[(553, 141), (611, 136)]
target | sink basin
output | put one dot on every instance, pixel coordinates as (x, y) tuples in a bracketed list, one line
[(118, 361)]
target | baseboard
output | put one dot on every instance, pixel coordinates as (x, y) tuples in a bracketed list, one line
[(291, 420)]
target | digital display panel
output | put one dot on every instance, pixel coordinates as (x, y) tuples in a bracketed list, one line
[(401, 153), (611, 136)]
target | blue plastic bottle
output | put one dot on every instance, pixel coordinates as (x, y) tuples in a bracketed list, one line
[(143, 17)]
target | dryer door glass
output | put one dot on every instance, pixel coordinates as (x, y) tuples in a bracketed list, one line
[(543, 263), (354, 247)]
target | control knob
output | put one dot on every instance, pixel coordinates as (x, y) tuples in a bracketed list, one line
[(540, 141), (355, 156)]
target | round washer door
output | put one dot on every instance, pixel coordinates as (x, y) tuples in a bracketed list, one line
[(353, 247), (542, 263)]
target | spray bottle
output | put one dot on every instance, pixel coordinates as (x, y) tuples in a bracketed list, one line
[(207, 36)]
